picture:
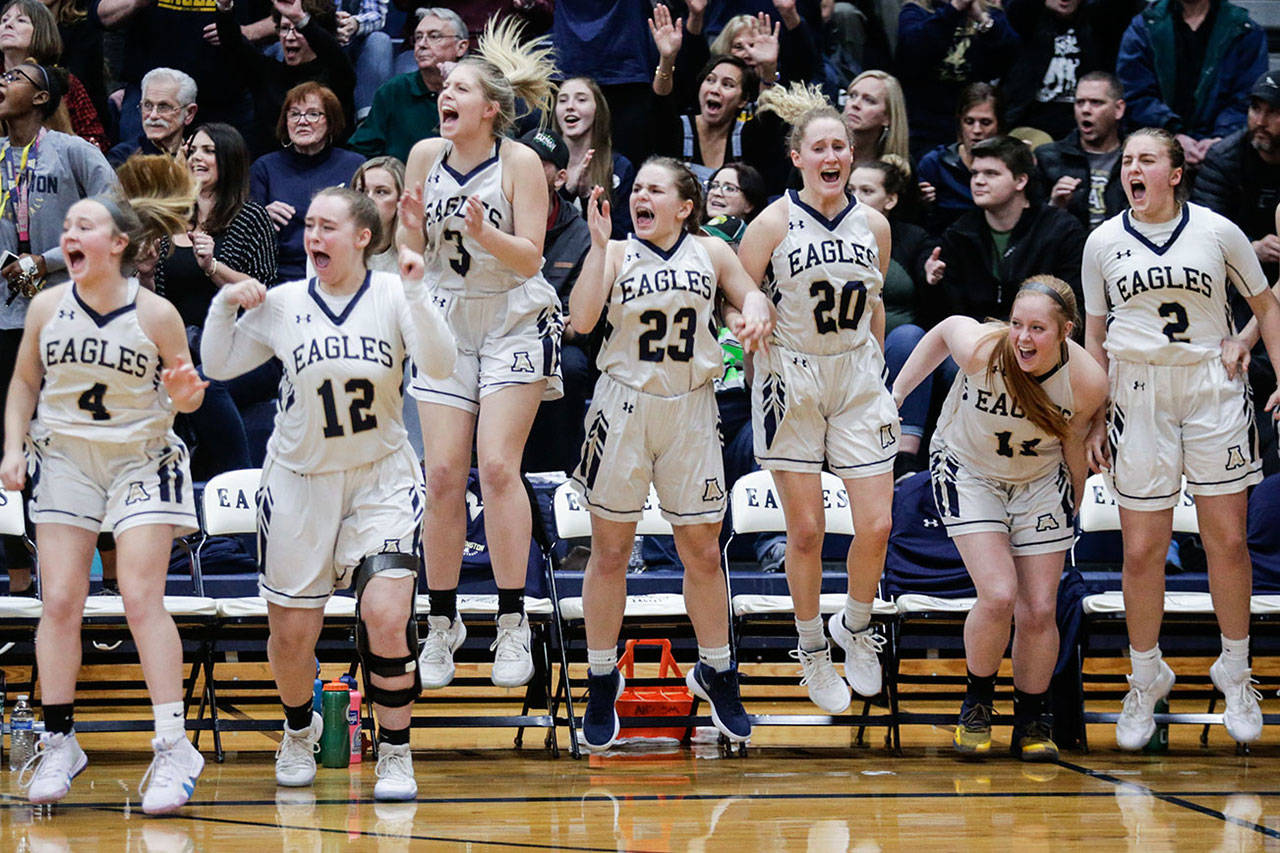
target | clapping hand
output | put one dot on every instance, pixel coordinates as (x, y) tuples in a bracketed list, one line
[(667, 35), (598, 219), (183, 384)]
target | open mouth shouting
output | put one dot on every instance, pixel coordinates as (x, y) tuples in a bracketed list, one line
[(1137, 190), (643, 216)]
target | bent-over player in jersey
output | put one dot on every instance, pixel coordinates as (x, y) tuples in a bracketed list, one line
[(653, 419), (108, 365), (1155, 283), (340, 502), (818, 395), (1007, 460), (476, 206)]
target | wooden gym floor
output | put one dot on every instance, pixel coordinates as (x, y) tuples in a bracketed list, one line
[(804, 789)]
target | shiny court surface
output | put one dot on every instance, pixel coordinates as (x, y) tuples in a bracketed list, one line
[(777, 797)]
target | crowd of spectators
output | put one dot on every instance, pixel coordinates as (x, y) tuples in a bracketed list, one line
[(989, 133)]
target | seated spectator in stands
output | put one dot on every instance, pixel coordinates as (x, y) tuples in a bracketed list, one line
[(717, 134), (28, 30), (382, 180), (404, 108), (1187, 66), (735, 195), (944, 171), (1059, 46), (787, 51), (1081, 172), (911, 306), (360, 24), (556, 437), (82, 53), (876, 114), (306, 31), (583, 120), (535, 14), (168, 108), (988, 252), (948, 44), (284, 181), (231, 239)]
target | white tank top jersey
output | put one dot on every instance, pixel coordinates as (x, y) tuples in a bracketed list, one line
[(824, 278), (340, 400), (455, 262), (101, 374), (660, 333), (991, 435), (1163, 287)]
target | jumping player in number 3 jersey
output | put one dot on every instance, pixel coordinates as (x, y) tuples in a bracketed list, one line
[(1155, 282)]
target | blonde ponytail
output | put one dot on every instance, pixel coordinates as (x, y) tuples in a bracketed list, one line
[(158, 195), (798, 105), (510, 69)]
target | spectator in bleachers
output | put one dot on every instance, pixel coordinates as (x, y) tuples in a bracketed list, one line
[(944, 171), (64, 170), (310, 122), (1081, 172), (947, 45), (360, 24), (556, 436), (717, 133), (735, 195), (311, 52), (1187, 67), (168, 108), (534, 14), (28, 31), (231, 239), (876, 114), (986, 253), (82, 53), (1060, 45), (787, 52), (583, 120), (382, 180), (404, 108), (609, 43)]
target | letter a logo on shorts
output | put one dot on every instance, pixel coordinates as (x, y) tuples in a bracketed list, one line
[(886, 436), (137, 493), (522, 363), (1046, 522), (711, 490), (1235, 457)]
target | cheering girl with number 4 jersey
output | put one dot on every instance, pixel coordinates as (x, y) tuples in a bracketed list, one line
[(818, 397), (1007, 460), (1155, 282), (477, 208), (653, 419)]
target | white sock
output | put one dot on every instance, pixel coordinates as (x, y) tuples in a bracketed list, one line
[(1235, 653), (602, 661), (1146, 665), (857, 614), (171, 721), (812, 639), (718, 658)]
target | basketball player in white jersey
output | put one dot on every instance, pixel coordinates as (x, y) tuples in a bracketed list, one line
[(1155, 283), (653, 419), (340, 502), (818, 397), (109, 366), (1007, 459), (477, 208)]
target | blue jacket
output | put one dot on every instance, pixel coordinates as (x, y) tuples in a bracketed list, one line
[(1147, 68), (943, 168)]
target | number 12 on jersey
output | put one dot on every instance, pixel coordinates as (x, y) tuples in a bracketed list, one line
[(361, 391)]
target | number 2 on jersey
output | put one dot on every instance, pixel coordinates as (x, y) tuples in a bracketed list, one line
[(852, 296), (684, 323), (361, 391), (92, 402), (1175, 330)]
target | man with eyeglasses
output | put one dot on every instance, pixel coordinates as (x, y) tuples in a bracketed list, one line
[(168, 108), (404, 108)]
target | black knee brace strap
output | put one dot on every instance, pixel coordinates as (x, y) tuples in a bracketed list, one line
[(374, 664)]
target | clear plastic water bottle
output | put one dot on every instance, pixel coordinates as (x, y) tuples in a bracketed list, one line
[(22, 736)]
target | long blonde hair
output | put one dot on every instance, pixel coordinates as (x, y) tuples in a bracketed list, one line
[(1027, 393), (723, 44), (509, 69), (157, 197), (897, 134)]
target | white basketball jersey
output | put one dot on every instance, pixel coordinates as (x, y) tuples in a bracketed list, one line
[(1163, 287), (340, 400), (455, 262), (101, 374), (660, 335), (991, 435), (824, 279)]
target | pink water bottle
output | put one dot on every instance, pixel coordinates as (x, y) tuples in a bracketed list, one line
[(355, 730)]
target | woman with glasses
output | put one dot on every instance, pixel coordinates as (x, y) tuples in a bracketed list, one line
[(42, 173), (309, 44), (283, 182)]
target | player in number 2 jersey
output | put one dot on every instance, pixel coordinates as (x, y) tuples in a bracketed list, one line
[(1155, 283)]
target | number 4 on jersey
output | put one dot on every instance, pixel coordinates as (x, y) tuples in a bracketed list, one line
[(92, 402)]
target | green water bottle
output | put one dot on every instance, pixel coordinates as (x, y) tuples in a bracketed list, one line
[(335, 748), (1160, 740)]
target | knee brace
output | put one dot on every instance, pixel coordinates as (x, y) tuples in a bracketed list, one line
[(373, 664)]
